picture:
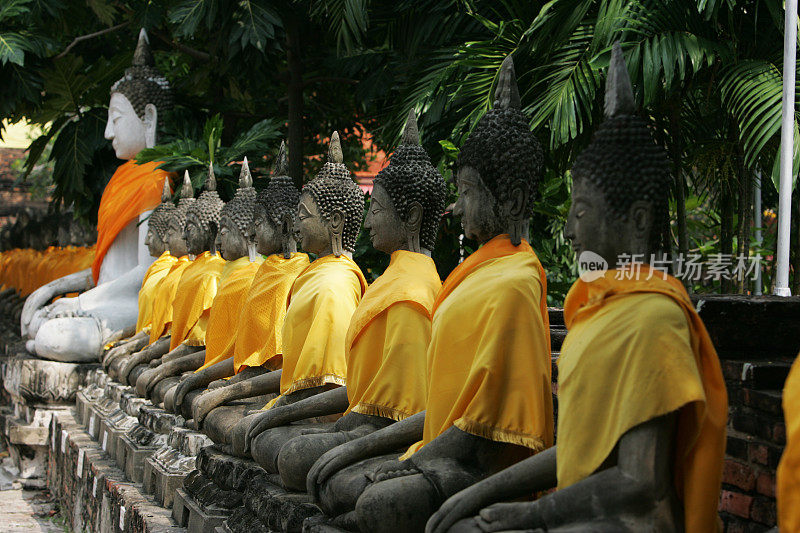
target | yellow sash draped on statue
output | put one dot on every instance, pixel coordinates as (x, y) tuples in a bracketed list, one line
[(193, 299), (165, 296), (637, 350), (788, 484), (147, 294), (388, 339), (321, 303), (258, 334), (489, 357), (132, 190), (223, 318)]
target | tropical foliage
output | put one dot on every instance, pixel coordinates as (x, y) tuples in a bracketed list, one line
[(707, 75)]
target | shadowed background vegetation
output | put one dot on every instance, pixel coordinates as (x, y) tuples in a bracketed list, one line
[(248, 73)]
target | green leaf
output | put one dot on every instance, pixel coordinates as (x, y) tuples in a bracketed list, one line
[(255, 141), (256, 23)]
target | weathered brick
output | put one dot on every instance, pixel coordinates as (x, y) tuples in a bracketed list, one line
[(739, 475), (768, 401), (765, 484), (763, 510), (758, 453), (737, 447), (736, 503)]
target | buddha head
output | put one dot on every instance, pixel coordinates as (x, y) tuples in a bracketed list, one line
[(276, 207), (236, 218), (155, 240), (331, 208), (499, 167), (202, 217), (407, 198), (620, 182), (136, 101), (176, 221)]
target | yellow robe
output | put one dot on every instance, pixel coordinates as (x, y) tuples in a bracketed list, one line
[(788, 482), (147, 294), (489, 357), (321, 303), (162, 305), (258, 333), (388, 339), (193, 299), (224, 315), (637, 350)]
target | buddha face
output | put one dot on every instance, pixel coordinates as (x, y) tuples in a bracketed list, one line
[(314, 230), (129, 134), (264, 234), (231, 243), (386, 229), (155, 244), (477, 207), (194, 235), (174, 239), (593, 227)]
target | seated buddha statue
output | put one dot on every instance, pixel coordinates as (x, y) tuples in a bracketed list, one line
[(321, 302), (257, 336), (234, 282), (76, 329), (161, 314), (390, 330), (642, 401), (196, 289), (157, 246), (489, 401)]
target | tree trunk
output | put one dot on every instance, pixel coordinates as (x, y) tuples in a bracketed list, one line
[(726, 229), (745, 216), (676, 154), (295, 97)]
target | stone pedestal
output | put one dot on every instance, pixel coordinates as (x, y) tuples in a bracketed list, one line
[(144, 439), (165, 470)]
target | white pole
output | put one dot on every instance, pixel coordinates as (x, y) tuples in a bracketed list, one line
[(787, 150), (757, 220)]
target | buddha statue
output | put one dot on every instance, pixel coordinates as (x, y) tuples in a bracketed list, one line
[(489, 401), (158, 246), (196, 289), (390, 330), (642, 402), (234, 282), (77, 329), (161, 316), (257, 336), (322, 300)]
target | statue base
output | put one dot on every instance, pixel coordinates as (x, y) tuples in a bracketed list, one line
[(165, 470)]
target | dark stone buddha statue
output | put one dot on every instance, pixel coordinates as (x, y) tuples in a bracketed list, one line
[(363, 480)]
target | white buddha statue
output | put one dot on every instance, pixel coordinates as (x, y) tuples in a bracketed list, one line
[(77, 329)]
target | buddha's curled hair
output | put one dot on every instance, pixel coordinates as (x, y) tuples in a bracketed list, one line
[(241, 208), (502, 147), (333, 188), (280, 197), (142, 83), (410, 177)]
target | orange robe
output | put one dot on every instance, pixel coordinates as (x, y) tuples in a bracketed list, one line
[(489, 357), (637, 350), (133, 189), (162, 306), (788, 482), (224, 315), (193, 299), (258, 334), (152, 278)]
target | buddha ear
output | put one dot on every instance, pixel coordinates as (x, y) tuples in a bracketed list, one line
[(150, 123), (413, 226), (337, 228), (518, 197), (516, 205), (641, 220), (287, 234)]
